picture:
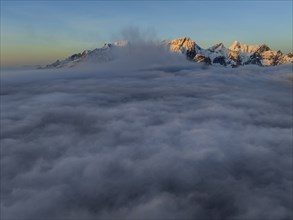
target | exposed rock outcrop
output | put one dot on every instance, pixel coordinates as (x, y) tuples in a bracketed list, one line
[(237, 54), (183, 45), (202, 59)]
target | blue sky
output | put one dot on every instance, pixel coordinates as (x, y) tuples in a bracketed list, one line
[(37, 32)]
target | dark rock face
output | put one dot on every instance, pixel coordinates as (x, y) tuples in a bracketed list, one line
[(54, 65), (278, 58), (202, 59), (107, 45), (234, 56), (183, 45), (237, 54), (262, 49), (190, 54), (75, 56), (255, 58), (220, 60), (215, 47)]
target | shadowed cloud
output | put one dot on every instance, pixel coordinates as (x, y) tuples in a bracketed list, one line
[(146, 139)]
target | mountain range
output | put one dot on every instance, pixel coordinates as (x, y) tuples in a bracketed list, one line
[(237, 54)]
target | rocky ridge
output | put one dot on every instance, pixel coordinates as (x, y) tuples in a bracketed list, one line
[(98, 55), (236, 55)]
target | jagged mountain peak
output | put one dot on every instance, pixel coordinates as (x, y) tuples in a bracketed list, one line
[(185, 38), (263, 48), (218, 46), (183, 45), (181, 42), (237, 54), (237, 46)]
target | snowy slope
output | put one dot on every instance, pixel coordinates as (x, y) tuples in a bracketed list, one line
[(235, 55), (98, 55)]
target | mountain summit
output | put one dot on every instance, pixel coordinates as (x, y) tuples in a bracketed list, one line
[(236, 55)]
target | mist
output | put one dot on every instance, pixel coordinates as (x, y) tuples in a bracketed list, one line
[(147, 136)]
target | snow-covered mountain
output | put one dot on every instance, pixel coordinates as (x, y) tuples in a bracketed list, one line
[(235, 55), (99, 55)]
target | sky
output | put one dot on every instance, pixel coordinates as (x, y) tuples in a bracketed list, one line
[(40, 32), (148, 135)]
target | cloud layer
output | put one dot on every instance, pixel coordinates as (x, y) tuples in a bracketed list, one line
[(148, 141)]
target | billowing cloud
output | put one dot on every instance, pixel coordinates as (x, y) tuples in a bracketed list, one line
[(149, 137)]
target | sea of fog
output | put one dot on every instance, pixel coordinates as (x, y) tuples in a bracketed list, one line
[(155, 137)]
